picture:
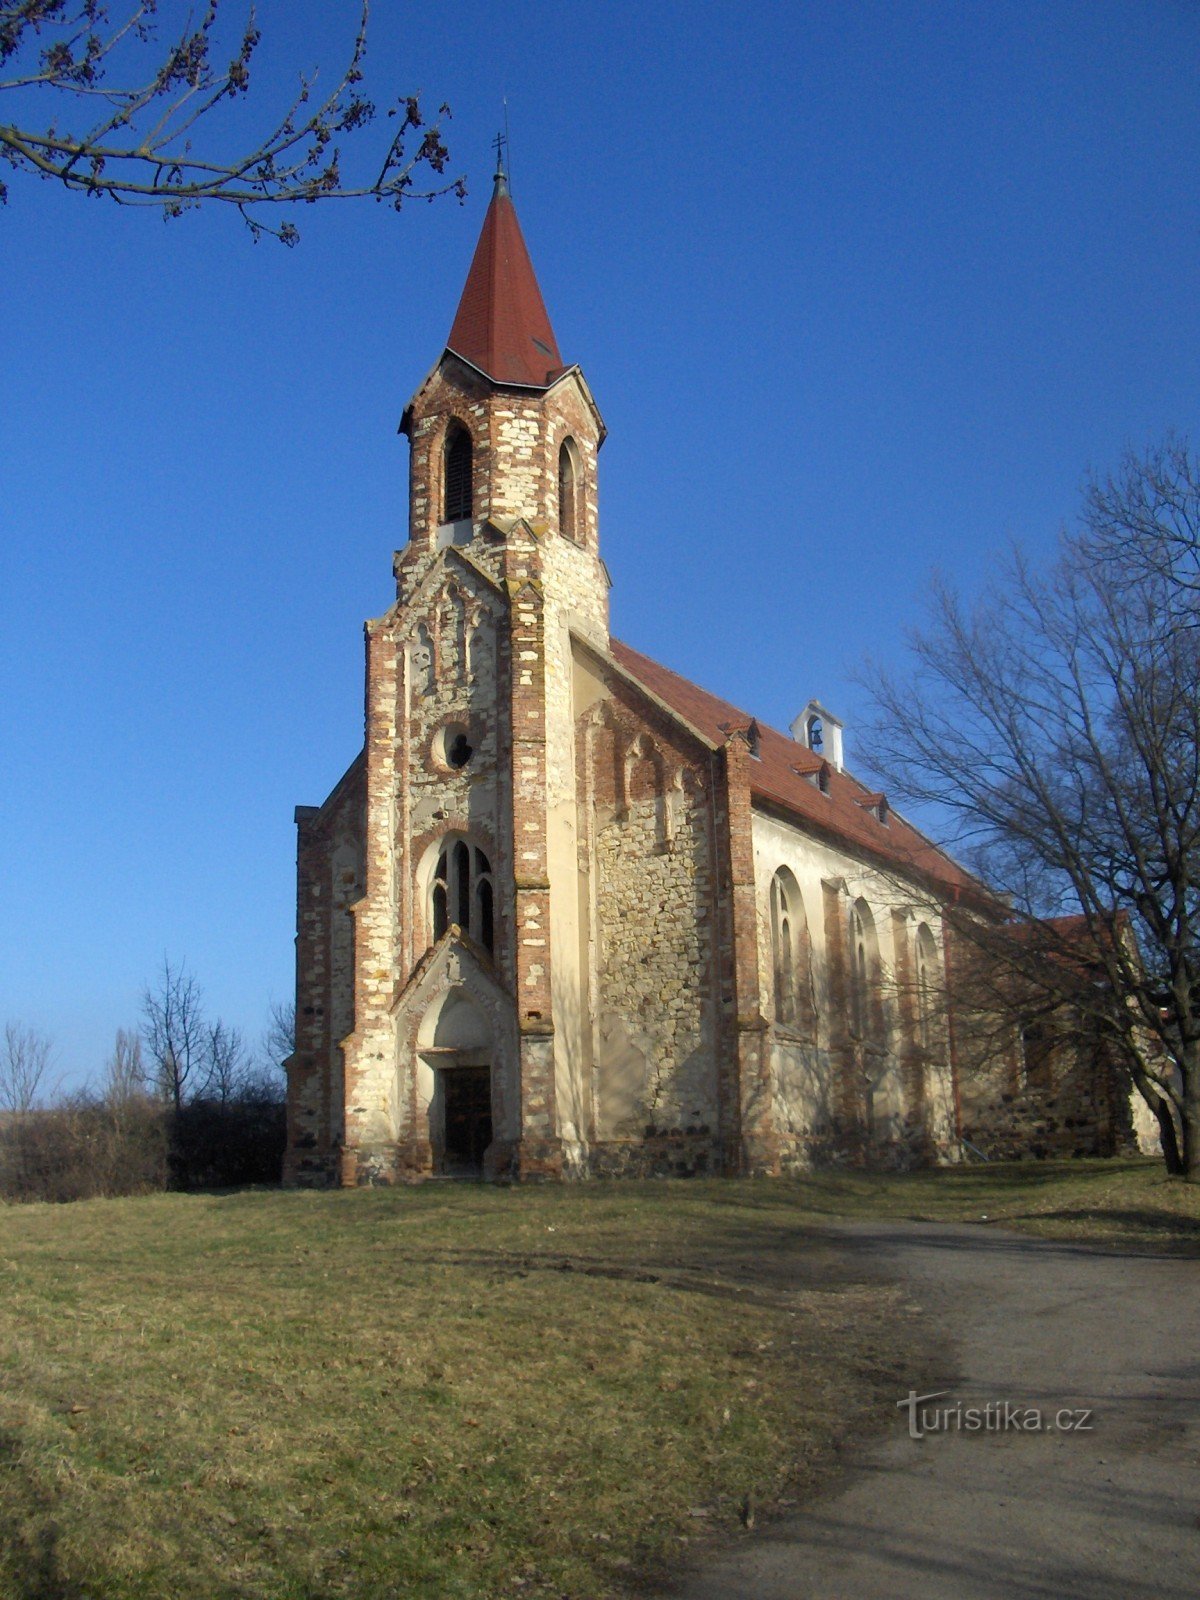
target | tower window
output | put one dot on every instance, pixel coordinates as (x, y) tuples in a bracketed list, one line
[(457, 475), (568, 491), (462, 891), (452, 746)]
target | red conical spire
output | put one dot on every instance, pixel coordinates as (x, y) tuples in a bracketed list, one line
[(501, 326)]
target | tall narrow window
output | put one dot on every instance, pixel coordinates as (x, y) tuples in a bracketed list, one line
[(1037, 1044), (790, 954), (457, 474), (462, 883), (441, 917), (568, 491), (866, 998), (462, 892), (483, 896), (926, 989), (781, 939)]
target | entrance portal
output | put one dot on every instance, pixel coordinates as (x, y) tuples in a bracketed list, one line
[(467, 1100)]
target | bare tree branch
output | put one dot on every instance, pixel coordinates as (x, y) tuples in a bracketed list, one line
[(59, 57), (23, 1064), (227, 1064), (174, 1032), (1056, 725)]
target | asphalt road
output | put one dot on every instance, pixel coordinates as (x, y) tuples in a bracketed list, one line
[(1107, 1512)]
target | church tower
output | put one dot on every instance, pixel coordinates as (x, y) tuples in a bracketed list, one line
[(568, 914), (438, 935)]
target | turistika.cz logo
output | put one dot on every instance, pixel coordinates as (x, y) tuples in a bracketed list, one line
[(995, 1416)]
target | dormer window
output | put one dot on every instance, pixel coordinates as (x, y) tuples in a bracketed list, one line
[(457, 475), (568, 491), (876, 804)]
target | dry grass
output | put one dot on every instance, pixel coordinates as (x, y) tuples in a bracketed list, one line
[(1130, 1205), (455, 1391), (460, 1391)]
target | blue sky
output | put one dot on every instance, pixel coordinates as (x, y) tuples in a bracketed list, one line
[(862, 288)]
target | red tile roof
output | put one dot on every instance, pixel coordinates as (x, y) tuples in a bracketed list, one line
[(783, 776), (501, 326)]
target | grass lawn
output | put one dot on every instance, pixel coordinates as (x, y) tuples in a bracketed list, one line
[(1130, 1205), (461, 1390), (448, 1391)]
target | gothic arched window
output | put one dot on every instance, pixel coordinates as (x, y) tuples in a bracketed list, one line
[(790, 952), (568, 491), (456, 475), (926, 997), (866, 998), (462, 891)]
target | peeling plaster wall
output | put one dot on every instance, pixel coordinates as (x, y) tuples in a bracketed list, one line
[(819, 1071)]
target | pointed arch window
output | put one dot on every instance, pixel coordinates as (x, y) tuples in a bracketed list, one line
[(866, 997), (790, 953), (569, 519), (456, 475), (926, 1007), (462, 891)]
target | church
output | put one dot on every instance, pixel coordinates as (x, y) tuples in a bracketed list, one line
[(568, 915)]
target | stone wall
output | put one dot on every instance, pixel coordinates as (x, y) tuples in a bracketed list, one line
[(1063, 1097), (329, 870), (650, 980)]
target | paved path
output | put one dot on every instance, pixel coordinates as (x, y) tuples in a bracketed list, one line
[(1110, 1514)]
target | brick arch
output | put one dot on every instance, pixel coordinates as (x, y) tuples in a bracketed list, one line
[(424, 854)]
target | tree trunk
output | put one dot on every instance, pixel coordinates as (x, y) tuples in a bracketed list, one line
[(1191, 1111), (1161, 1107)]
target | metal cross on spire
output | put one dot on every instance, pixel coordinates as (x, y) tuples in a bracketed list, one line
[(500, 146)]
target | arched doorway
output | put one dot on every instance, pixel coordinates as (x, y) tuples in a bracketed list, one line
[(455, 1048)]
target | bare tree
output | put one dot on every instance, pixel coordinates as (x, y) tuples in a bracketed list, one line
[(23, 1066), (279, 1037), (268, 1078), (226, 1063), (124, 1072), (1056, 725), (1147, 514), (101, 104), (174, 1032)]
